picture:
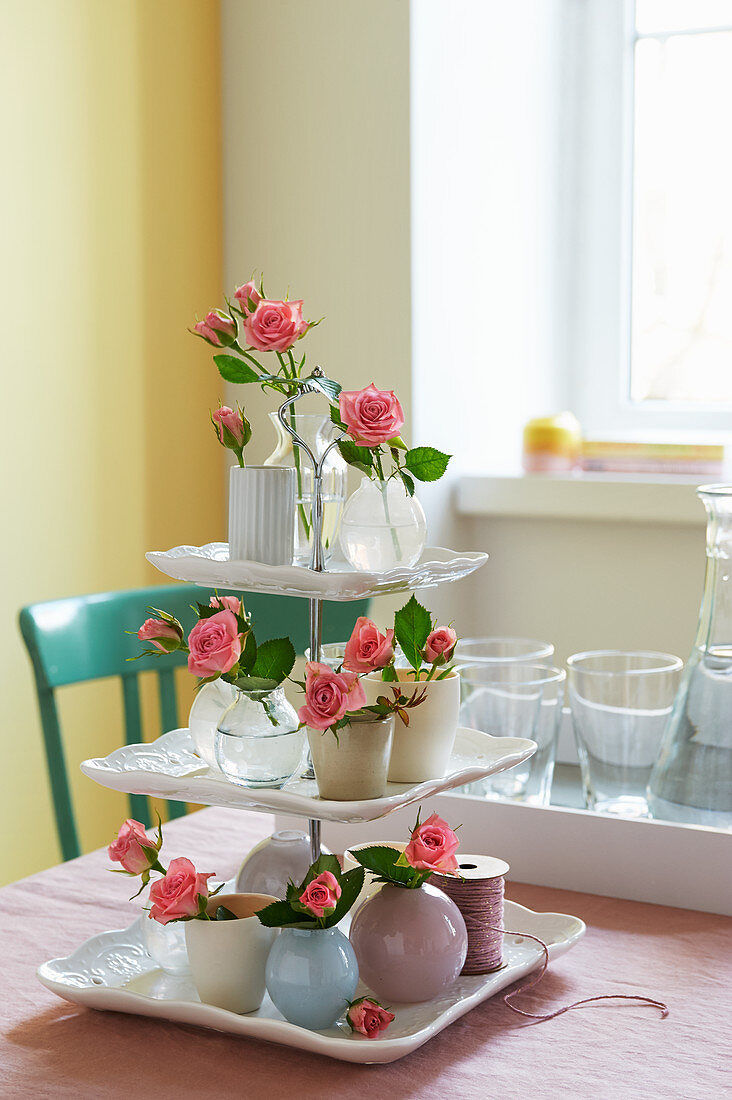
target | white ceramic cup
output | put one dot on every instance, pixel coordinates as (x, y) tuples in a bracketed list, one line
[(422, 749), (227, 958)]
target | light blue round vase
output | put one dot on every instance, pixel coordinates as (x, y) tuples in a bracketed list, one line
[(311, 976)]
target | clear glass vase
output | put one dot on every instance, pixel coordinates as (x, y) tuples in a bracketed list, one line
[(382, 527), (318, 432), (258, 743), (692, 778)]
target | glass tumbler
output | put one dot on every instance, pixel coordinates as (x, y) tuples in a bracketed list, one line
[(620, 704), (515, 699), (528, 650)]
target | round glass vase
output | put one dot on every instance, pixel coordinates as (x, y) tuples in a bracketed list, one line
[(258, 743), (318, 431), (692, 777), (311, 976), (382, 527), (410, 943), (166, 945), (208, 707)]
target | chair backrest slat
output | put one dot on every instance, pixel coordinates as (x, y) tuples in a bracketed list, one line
[(139, 804)]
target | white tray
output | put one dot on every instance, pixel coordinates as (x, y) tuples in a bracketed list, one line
[(170, 768), (210, 566), (113, 971)]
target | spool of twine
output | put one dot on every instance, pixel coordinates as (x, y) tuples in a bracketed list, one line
[(478, 894)]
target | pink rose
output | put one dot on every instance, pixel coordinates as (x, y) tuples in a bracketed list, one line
[(214, 644), (127, 848), (433, 846), (245, 294), (368, 1017), (274, 325), (371, 416), (367, 649), (164, 636), (440, 644), (321, 895), (329, 695), (226, 603), (225, 417), (176, 895), (217, 328)]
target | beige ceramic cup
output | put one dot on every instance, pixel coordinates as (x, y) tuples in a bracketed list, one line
[(355, 766), (227, 958)]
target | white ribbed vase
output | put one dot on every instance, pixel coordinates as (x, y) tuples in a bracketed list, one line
[(262, 514)]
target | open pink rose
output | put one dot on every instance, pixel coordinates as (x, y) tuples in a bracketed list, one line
[(164, 636), (433, 846), (367, 649), (371, 416), (224, 417), (440, 643), (274, 325), (214, 644), (127, 848), (217, 328), (176, 895), (329, 695), (368, 1017), (245, 294), (226, 603), (321, 895)]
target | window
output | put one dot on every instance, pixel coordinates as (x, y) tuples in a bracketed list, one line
[(654, 194)]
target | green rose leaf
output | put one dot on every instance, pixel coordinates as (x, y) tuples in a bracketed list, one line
[(248, 654), (335, 416), (255, 683), (232, 369), (412, 625), (222, 913), (360, 457), (326, 386), (278, 913), (275, 659), (382, 862), (426, 463), (351, 885)]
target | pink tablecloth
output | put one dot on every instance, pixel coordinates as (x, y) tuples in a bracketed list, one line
[(49, 1048)]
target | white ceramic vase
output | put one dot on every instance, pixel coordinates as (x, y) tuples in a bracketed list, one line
[(262, 514), (355, 766), (227, 958), (422, 749)]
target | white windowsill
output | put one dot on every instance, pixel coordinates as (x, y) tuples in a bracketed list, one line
[(609, 497)]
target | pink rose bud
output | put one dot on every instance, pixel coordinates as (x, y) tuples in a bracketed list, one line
[(232, 429), (329, 696), (226, 603), (367, 649), (214, 645), (176, 895), (247, 297), (218, 329), (433, 846), (371, 416), (164, 636), (368, 1017), (127, 848), (275, 325), (440, 645), (321, 895)]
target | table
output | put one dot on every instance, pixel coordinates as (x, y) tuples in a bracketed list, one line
[(52, 1049)]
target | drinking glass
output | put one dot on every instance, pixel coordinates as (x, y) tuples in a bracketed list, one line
[(332, 654), (509, 698), (620, 704), (528, 650)]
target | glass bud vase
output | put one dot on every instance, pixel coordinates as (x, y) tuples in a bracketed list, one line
[(318, 432), (692, 778), (258, 743), (382, 527)]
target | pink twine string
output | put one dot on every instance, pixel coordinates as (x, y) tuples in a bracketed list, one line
[(481, 903)]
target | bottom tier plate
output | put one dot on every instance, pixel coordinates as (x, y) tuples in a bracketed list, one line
[(113, 971)]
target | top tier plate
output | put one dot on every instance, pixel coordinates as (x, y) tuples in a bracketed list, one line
[(210, 567)]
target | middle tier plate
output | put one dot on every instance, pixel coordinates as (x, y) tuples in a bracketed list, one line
[(170, 768)]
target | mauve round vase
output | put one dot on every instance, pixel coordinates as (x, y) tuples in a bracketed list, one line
[(410, 944)]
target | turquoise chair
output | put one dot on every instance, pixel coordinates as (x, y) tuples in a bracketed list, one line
[(84, 638)]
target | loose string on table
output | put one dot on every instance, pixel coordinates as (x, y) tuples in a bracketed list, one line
[(480, 901)]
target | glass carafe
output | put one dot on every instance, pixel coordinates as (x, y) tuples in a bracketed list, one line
[(692, 778), (318, 432)]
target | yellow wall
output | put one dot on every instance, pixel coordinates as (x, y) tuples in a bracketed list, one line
[(110, 222)]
